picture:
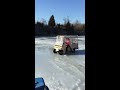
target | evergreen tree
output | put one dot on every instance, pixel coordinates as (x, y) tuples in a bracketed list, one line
[(51, 22)]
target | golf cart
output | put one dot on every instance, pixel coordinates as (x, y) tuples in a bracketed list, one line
[(64, 44)]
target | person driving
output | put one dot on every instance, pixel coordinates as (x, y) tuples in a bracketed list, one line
[(67, 41)]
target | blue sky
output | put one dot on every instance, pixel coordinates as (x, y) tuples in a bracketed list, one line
[(74, 9)]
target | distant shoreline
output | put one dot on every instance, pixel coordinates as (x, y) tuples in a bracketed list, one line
[(52, 36)]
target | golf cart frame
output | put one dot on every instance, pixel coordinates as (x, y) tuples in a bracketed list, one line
[(66, 43)]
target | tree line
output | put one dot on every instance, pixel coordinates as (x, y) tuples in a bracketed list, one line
[(53, 29)]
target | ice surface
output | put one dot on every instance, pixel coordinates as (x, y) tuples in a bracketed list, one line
[(60, 72)]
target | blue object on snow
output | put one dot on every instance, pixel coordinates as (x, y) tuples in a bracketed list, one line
[(39, 84)]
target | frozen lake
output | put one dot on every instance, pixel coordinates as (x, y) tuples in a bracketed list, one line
[(60, 72)]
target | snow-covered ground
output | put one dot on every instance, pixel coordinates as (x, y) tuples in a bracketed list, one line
[(60, 72)]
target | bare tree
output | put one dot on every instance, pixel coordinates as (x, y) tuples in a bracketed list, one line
[(43, 21), (66, 20)]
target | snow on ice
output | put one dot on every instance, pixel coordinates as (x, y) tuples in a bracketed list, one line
[(60, 72)]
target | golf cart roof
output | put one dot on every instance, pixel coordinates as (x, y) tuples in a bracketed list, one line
[(68, 36)]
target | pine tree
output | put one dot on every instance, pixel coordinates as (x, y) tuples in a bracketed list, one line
[(51, 22)]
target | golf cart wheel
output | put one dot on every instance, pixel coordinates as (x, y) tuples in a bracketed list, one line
[(60, 52), (68, 49), (54, 51), (73, 50)]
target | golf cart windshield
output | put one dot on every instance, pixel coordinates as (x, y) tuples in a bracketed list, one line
[(59, 40)]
